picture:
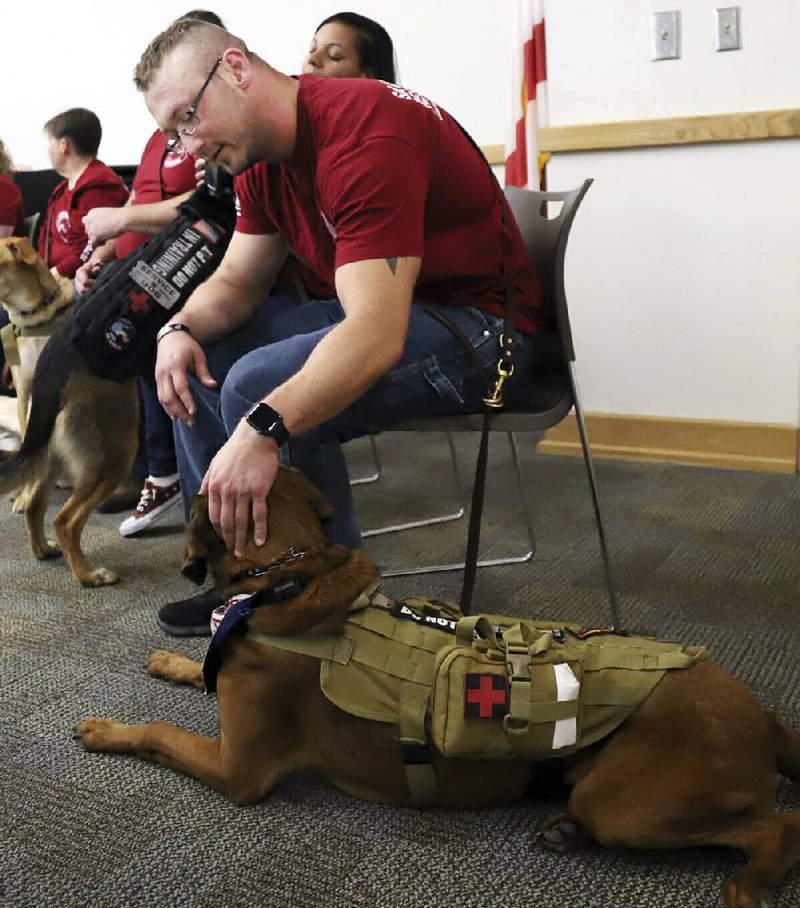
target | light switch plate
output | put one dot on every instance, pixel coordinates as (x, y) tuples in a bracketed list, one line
[(729, 30), (665, 35)]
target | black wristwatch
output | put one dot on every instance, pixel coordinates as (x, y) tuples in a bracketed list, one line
[(267, 422)]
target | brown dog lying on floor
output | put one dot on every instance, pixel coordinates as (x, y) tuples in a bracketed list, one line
[(695, 764), (79, 425)]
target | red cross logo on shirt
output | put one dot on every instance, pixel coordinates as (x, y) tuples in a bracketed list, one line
[(485, 696)]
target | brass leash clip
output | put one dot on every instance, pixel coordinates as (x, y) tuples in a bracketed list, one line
[(504, 372), (496, 398)]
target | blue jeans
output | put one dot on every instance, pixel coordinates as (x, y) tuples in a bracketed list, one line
[(435, 376), (159, 445)]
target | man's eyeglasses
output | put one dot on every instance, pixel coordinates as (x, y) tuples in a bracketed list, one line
[(188, 123)]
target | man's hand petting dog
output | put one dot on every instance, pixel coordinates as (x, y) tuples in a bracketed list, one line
[(237, 484)]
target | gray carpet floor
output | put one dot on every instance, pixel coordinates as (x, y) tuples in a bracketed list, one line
[(704, 556)]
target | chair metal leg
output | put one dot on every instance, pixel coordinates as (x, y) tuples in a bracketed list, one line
[(488, 562), (370, 477), (512, 440), (427, 521), (601, 533)]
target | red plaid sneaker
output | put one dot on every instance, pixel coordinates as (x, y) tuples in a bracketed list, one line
[(155, 501)]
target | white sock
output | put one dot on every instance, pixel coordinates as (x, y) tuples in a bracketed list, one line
[(163, 481)]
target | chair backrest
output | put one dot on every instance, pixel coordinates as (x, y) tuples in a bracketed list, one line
[(126, 172), (31, 223), (545, 241), (36, 186)]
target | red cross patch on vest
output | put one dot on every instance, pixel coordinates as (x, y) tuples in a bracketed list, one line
[(140, 301), (485, 696)]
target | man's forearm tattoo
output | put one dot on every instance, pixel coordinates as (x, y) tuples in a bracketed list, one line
[(392, 263)]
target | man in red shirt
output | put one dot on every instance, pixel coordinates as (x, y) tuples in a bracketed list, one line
[(73, 138), (379, 192)]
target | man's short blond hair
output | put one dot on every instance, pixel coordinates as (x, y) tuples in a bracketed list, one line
[(207, 40)]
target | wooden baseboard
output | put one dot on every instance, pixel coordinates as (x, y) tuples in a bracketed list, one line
[(766, 447)]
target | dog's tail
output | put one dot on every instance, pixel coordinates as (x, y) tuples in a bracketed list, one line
[(53, 367), (786, 741)]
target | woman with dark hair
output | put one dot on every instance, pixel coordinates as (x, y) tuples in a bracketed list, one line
[(350, 45)]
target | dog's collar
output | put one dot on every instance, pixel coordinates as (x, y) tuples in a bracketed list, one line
[(292, 554), (45, 301), (24, 320)]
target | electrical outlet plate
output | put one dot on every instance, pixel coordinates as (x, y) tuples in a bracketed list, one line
[(729, 32), (665, 35)]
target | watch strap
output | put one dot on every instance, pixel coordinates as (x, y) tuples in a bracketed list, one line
[(170, 327)]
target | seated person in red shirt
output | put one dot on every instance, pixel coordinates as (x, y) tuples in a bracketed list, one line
[(379, 192), (73, 138), (12, 221), (163, 180)]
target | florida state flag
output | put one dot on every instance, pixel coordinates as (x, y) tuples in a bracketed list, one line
[(528, 95)]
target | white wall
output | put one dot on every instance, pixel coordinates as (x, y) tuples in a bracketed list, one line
[(684, 269), (683, 275), (600, 68), (684, 272), (81, 53)]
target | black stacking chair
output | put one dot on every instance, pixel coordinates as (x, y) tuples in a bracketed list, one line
[(554, 392)]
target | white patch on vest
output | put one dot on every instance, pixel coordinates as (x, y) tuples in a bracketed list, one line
[(568, 687)]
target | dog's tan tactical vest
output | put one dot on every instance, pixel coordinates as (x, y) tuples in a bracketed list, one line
[(482, 687)]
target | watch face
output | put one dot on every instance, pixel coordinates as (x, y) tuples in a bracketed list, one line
[(267, 422)]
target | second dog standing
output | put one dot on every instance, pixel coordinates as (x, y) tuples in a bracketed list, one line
[(79, 425)]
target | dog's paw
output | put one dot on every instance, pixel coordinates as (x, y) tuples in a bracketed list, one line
[(736, 895), (175, 667), (559, 833), (49, 550), (99, 577), (19, 503), (102, 734), (161, 663)]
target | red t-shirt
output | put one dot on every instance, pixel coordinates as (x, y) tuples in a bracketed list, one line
[(63, 237), (161, 174), (12, 211), (380, 171)]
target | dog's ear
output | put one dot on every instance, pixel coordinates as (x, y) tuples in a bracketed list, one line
[(199, 536), (310, 492), (194, 567), (22, 251)]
